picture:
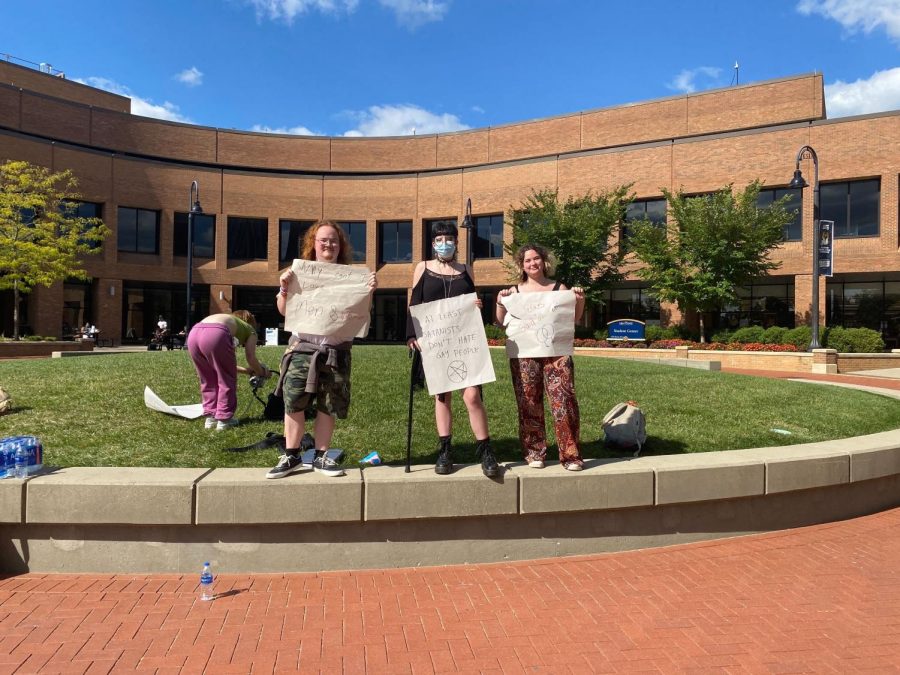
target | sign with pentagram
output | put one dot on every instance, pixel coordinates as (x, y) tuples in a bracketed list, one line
[(455, 352), (539, 324), (457, 371)]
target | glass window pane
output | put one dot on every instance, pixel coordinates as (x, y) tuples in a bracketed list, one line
[(204, 236), (356, 233), (290, 238), (833, 206), (127, 229), (656, 211), (146, 231), (388, 242), (247, 238), (864, 206), (404, 241)]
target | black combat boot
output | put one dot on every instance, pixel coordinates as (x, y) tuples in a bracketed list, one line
[(444, 464), (489, 466)]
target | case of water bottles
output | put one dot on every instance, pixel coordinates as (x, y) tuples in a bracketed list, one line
[(20, 456)]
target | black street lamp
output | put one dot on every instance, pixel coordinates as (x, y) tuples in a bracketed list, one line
[(806, 152), (469, 227), (195, 210)]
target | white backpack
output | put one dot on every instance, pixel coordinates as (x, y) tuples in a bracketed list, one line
[(625, 427)]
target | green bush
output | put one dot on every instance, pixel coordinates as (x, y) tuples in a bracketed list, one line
[(748, 334), (654, 333), (774, 335), (493, 332), (724, 336), (854, 340), (799, 337), (600, 334)]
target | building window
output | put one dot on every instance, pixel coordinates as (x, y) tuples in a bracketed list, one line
[(86, 210), (428, 236), (356, 233), (653, 210), (489, 236), (763, 305), (248, 238), (204, 235), (290, 238), (792, 230), (388, 317), (395, 241), (853, 206), (138, 230), (632, 303)]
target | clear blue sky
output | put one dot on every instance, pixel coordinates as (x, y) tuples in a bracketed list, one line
[(384, 67)]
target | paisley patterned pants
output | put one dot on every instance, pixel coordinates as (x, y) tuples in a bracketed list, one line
[(531, 378)]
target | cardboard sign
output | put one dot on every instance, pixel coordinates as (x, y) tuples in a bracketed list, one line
[(328, 299), (539, 324), (455, 352)]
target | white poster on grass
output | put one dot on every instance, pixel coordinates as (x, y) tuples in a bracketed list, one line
[(455, 352), (539, 324), (328, 299)]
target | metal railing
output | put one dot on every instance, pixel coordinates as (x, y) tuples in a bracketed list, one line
[(43, 67)]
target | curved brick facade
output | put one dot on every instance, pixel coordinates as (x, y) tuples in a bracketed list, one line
[(696, 142)]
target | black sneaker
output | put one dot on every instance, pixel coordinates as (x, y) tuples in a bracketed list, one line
[(287, 464), (489, 466), (326, 465), (444, 463)]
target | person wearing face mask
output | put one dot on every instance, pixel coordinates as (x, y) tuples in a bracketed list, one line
[(553, 374), (440, 279), (325, 358)]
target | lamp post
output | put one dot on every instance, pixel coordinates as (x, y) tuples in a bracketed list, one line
[(469, 227), (195, 210), (806, 152)]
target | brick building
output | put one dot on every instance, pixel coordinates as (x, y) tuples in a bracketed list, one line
[(258, 192)]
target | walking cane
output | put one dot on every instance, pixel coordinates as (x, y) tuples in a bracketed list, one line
[(416, 356)]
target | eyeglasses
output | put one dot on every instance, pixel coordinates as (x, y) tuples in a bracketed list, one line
[(328, 242)]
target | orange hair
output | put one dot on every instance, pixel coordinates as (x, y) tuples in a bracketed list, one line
[(308, 247)]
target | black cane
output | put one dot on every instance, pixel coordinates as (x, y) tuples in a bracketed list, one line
[(412, 380)]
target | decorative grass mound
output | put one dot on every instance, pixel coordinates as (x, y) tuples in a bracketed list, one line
[(89, 411)]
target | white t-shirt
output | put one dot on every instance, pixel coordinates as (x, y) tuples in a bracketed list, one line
[(163, 324)]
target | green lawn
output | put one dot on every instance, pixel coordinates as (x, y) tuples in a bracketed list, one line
[(89, 411)]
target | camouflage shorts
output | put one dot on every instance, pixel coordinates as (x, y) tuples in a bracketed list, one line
[(332, 394)]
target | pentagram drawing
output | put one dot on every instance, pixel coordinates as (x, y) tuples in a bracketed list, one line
[(545, 335), (457, 371)]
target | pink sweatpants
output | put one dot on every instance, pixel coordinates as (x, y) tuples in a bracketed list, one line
[(212, 351)]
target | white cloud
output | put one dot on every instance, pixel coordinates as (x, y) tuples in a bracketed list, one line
[(402, 120), (415, 13), (856, 15), (478, 109), (687, 80), (287, 10), (191, 77), (297, 131), (139, 106), (878, 93)]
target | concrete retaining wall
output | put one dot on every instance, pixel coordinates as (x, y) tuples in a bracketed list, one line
[(22, 348), (171, 520)]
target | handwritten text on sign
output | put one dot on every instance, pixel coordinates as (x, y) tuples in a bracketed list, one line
[(455, 352), (539, 324), (329, 299)]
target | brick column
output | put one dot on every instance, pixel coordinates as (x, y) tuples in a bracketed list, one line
[(44, 310), (803, 299), (223, 306), (108, 300), (824, 361)]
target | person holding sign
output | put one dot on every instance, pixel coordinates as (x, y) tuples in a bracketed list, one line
[(532, 375), (315, 371), (441, 279), (211, 344)]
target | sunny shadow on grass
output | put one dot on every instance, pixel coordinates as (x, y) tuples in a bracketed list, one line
[(90, 411)]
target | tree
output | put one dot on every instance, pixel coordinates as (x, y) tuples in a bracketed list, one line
[(578, 233), (41, 234), (712, 245)]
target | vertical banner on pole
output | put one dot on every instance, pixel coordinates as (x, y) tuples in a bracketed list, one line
[(826, 247)]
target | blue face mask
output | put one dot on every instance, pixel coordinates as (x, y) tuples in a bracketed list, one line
[(445, 249)]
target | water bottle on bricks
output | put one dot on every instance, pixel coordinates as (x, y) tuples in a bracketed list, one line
[(206, 583), (21, 460)]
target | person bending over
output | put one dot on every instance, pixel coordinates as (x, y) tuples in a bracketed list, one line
[(211, 344)]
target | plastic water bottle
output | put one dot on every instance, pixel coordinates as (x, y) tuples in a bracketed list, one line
[(21, 460), (206, 583)]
